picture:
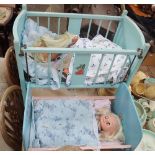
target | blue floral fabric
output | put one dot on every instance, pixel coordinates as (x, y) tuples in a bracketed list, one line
[(61, 122), (40, 72)]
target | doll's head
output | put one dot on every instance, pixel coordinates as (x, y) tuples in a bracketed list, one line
[(110, 124), (110, 127), (61, 41)]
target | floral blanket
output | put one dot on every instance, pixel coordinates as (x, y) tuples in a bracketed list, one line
[(61, 122)]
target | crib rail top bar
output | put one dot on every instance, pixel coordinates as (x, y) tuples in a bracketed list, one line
[(63, 85), (73, 97), (73, 15), (80, 50)]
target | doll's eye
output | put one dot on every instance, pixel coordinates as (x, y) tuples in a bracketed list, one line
[(108, 123), (106, 117)]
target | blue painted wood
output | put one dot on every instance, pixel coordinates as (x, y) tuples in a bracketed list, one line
[(58, 26), (125, 62), (109, 25), (73, 15), (35, 66), (99, 26), (24, 7), (124, 107), (49, 69), (137, 63), (112, 62), (63, 85), (94, 80), (27, 118), (129, 56), (137, 40), (61, 70), (79, 50), (74, 25), (38, 21), (90, 22), (48, 23), (118, 32), (79, 60), (17, 31)]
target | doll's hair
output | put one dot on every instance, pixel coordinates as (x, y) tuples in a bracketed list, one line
[(118, 134)]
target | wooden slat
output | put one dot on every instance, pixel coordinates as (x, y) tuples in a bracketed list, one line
[(98, 30), (38, 21), (109, 25), (48, 24), (80, 50), (58, 26), (73, 15), (61, 71), (94, 80), (74, 97), (104, 147), (49, 69), (111, 65), (89, 28), (35, 67), (127, 57)]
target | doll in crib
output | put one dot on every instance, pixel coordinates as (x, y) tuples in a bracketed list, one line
[(109, 125), (61, 41)]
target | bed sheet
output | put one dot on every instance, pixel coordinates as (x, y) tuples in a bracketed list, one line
[(39, 73), (32, 31), (118, 71), (64, 122)]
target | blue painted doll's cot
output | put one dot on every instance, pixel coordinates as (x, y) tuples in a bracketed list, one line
[(127, 35)]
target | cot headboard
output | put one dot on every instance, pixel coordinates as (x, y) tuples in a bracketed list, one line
[(17, 33)]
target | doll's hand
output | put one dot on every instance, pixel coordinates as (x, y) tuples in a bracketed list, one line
[(74, 40)]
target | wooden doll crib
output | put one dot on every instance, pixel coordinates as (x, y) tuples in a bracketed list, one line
[(127, 35)]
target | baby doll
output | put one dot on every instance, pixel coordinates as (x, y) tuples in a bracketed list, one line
[(61, 41), (109, 125)]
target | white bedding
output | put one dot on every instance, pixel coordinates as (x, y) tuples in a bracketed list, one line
[(100, 42)]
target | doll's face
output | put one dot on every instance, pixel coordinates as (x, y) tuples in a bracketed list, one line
[(109, 123)]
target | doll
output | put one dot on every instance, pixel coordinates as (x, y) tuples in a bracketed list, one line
[(61, 41), (109, 125)]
